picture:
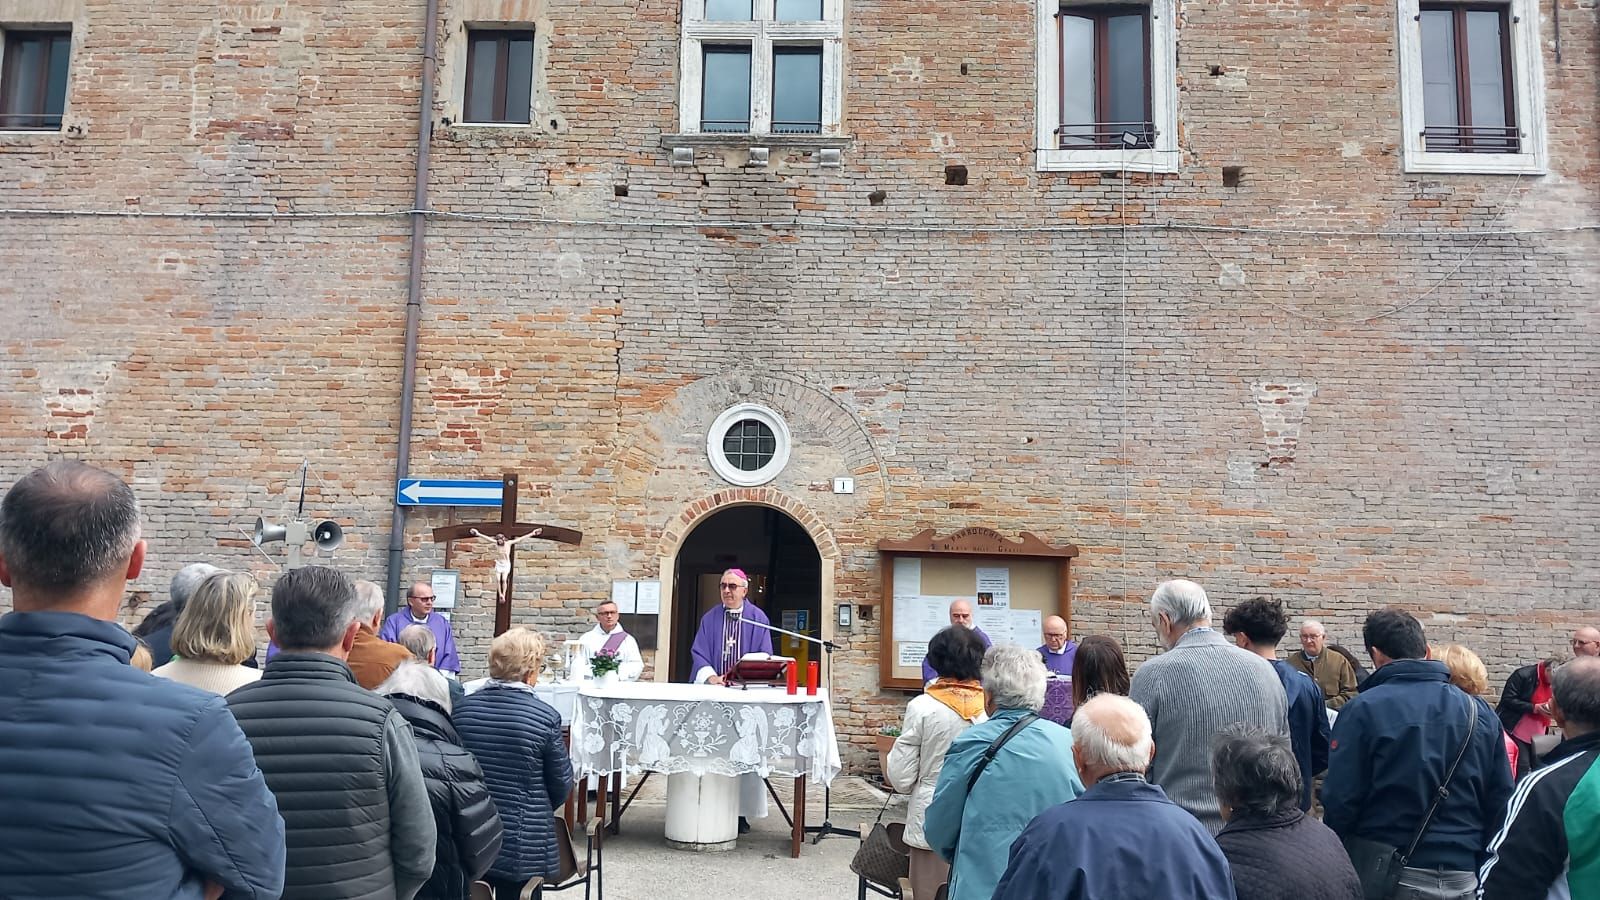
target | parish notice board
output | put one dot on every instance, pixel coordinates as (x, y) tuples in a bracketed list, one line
[(1011, 585)]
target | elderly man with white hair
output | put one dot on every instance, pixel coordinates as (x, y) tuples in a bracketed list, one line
[(1122, 837), (999, 774), (372, 659), (1201, 685)]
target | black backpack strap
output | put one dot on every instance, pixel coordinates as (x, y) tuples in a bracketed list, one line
[(994, 748)]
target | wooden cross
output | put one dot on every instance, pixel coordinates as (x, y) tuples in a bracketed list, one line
[(508, 527)]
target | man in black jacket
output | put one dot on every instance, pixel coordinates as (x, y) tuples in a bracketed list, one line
[(1392, 746), (341, 760), (463, 812)]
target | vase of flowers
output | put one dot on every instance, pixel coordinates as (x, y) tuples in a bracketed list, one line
[(604, 665)]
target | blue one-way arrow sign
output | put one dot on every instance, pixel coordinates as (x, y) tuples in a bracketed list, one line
[(445, 492)]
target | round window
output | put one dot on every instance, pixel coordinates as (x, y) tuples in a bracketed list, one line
[(748, 445)]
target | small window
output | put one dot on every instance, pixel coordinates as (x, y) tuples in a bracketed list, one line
[(725, 107), (1468, 105), (1105, 79), (499, 85), (748, 445), (33, 79), (796, 90), (728, 10), (799, 11)]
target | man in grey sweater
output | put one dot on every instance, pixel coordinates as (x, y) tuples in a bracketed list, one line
[(1200, 685)]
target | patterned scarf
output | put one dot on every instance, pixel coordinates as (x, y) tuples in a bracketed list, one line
[(965, 698)]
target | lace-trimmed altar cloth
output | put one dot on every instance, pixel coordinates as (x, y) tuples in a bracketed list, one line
[(703, 729)]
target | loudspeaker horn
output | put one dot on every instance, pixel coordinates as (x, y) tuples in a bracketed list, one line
[(328, 535), (267, 533)]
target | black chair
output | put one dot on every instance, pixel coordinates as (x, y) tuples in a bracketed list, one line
[(576, 867)]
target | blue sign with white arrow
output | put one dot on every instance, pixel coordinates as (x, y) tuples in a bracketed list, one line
[(445, 492)]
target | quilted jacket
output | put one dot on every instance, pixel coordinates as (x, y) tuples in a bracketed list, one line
[(1288, 856), (517, 740), (116, 783), (463, 813)]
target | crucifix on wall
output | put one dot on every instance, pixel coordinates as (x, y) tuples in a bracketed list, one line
[(505, 535)]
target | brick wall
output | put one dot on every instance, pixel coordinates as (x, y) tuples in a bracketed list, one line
[(1341, 420)]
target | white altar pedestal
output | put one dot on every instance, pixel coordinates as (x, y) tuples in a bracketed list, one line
[(702, 811)]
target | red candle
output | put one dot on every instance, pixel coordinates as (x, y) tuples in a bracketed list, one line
[(812, 668), (793, 674)]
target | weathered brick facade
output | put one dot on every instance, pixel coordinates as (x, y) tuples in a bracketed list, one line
[(1399, 410)]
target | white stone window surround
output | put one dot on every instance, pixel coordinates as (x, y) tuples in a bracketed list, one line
[(63, 15), (724, 467), (1164, 156), (1527, 76), (760, 33)]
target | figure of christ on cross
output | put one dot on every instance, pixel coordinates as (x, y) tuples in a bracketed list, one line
[(506, 534)]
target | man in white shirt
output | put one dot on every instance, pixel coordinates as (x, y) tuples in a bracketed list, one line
[(607, 634)]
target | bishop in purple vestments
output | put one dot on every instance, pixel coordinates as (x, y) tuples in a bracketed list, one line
[(960, 614), (725, 632)]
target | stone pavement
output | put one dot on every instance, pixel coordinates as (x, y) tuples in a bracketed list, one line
[(640, 866)]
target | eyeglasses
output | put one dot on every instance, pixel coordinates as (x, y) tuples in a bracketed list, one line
[(731, 586), (416, 597), (1049, 635)]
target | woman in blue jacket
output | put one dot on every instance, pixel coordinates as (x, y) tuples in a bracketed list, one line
[(517, 740)]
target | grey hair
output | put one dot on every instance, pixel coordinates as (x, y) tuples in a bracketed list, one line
[(419, 680), (311, 608), (1126, 750), (1320, 628), (67, 526), (1183, 602), (188, 579), (369, 600), (1013, 677), (1254, 771), (1576, 686), (418, 639)]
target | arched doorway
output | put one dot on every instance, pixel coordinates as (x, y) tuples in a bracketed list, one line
[(785, 577)]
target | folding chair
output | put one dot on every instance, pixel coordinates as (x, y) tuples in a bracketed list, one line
[(576, 868)]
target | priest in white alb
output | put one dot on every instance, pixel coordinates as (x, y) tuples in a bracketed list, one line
[(607, 635)]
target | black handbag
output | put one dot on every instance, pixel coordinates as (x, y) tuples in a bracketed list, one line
[(1378, 864), (882, 858)]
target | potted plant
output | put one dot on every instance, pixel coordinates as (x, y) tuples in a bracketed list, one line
[(886, 738), (604, 665)]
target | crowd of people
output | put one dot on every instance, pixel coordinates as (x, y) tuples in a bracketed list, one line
[(355, 764), (1220, 770)]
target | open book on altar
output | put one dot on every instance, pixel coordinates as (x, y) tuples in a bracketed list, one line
[(758, 668)]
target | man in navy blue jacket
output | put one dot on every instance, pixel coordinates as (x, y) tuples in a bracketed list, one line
[(1259, 625), (114, 783), (1391, 748)]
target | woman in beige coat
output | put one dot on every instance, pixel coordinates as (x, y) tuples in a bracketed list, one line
[(950, 703)]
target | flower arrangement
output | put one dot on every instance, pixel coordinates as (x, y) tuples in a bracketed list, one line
[(890, 731), (604, 663)]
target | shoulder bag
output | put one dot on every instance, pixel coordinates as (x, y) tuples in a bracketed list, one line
[(1377, 864), (882, 857)]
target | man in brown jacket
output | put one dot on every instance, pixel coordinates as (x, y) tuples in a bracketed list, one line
[(1330, 670), (372, 659)]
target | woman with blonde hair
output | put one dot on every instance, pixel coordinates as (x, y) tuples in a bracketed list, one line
[(1467, 672), (214, 634), (516, 738)]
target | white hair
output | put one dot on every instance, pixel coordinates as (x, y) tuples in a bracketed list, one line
[(1013, 676), (420, 680), (188, 579), (1095, 742), (1308, 623), (1183, 602), (418, 639), (369, 600)]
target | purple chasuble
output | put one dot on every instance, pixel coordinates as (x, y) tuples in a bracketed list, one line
[(445, 656), (1060, 663), (711, 645), (928, 674)]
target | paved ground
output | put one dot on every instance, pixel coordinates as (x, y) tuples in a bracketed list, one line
[(640, 866)]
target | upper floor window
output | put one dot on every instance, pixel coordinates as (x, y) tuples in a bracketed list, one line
[(760, 67), (499, 83), (1471, 87), (1107, 93), (33, 79)]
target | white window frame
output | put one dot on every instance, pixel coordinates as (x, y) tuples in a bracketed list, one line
[(760, 33), (725, 468), (1163, 157), (1527, 76)]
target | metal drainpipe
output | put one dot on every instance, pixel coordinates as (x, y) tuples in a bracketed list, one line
[(419, 223)]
